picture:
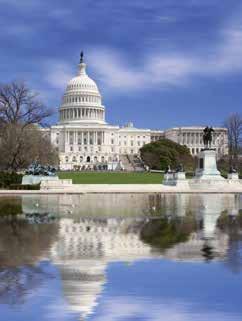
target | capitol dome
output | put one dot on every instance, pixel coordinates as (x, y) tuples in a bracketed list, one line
[(82, 101)]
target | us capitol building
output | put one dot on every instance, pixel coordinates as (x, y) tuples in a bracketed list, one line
[(85, 140)]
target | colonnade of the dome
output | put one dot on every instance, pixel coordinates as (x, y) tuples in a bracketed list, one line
[(81, 99), (82, 113)]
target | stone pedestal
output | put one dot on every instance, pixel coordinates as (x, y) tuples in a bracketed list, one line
[(180, 176), (37, 179), (233, 176), (176, 179), (207, 166), (169, 179)]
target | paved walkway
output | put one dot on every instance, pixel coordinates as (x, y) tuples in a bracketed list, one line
[(126, 188)]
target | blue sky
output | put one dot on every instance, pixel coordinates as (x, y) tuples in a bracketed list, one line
[(157, 63)]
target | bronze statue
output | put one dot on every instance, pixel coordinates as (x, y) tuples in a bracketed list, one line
[(208, 137), (81, 57), (179, 168)]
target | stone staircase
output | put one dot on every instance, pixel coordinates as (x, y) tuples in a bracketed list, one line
[(132, 163), (136, 162), (127, 165)]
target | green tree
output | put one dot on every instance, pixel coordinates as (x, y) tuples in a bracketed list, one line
[(158, 155)]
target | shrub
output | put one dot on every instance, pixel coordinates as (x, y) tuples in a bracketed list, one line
[(24, 187), (7, 179)]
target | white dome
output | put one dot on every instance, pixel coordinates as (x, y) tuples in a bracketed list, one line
[(82, 101), (82, 82)]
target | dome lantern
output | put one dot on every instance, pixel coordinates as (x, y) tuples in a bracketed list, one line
[(82, 65)]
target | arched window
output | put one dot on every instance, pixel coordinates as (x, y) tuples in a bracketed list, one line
[(81, 159), (67, 159), (74, 158), (88, 159)]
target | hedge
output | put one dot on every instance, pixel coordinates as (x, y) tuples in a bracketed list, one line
[(24, 187), (7, 179)]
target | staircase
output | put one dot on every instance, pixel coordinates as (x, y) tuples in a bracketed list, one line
[(132, 163), (127, 165), (136, 162)]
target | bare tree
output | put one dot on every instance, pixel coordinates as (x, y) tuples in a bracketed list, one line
[(234, 126), (19, 147), (19, 105), (20, 111)]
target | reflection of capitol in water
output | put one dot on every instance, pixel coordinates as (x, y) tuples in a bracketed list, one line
[(83, 251), (95, 230)]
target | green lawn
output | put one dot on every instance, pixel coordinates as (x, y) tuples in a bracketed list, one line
[(112, 177)]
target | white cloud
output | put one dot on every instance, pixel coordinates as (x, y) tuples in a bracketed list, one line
[(164, 70), (123, 308), (157, 70), (57, 74)]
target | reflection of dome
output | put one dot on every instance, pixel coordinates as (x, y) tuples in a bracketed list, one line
[(82, 284), (82, 100), (83, 250)]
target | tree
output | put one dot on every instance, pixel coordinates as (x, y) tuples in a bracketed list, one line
[(234, 126), (160, 154), (20, 106), (19, 147), (21, 141)]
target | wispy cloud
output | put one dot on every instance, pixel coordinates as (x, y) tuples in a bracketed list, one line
[(156, 69), (164, 70), (128, 308), (57, 73)]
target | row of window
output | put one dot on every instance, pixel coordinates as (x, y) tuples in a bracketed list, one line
[(132, 143), (85, 141), (84, 148), (87, 159), (99, 142), (76, 86)]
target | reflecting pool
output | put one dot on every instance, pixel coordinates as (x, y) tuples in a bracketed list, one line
[(121, 257)]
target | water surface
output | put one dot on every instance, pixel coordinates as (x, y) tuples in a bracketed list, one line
[(121, 257)]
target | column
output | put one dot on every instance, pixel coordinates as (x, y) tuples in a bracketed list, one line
[(75, 137), (88, 138)]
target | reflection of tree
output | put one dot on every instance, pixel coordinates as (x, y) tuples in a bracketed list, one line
[(22, 245), (10, 206), (17, 283), (232, 225), (163, 233)]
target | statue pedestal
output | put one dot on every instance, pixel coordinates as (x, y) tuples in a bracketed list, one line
[(37, 179), (233, 176), (176, 179), (207, 166), (169, 179), (180, 176)]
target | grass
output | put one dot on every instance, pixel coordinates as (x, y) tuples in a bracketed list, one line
[(112, 177)]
